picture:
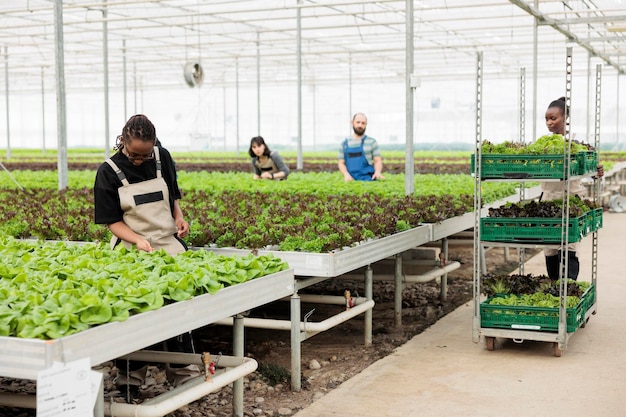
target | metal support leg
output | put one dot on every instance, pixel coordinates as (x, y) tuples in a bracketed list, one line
[(295, 342), (483, 262), (443, 289), (238, 351), (398, 286), (369, 294)]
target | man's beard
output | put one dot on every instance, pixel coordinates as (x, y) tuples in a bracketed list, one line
[(359, 130)]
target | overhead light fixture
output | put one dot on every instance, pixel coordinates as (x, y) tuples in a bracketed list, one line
[(617, 29)]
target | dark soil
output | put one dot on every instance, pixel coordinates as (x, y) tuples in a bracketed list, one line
[(453, 167)]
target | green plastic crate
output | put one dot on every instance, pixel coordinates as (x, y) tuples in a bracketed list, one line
[(587, 162), (593, 220), (506, 166), (538, 229), (543, 319)]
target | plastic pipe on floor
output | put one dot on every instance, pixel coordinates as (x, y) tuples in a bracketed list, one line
[(182, 358), (165, 403), (310, 328), (328, 299), (421, 278), (183, 395)]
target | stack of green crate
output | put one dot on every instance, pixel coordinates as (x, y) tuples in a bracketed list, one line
[(544, 319)]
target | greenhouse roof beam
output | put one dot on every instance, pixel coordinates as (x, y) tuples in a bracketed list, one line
[(589, 20), (171, 32), (544, 20)]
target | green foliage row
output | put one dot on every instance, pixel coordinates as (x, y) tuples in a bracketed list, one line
[(308, 212), (305, 222), (97, 155), (54, 289), (319, 183), (242, 219)]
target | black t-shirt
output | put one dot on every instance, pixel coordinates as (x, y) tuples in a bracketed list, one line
[(106, 199)]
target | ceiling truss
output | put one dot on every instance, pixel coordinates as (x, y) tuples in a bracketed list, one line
[(150, 41)]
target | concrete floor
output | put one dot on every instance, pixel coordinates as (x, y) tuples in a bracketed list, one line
[(441, 372)]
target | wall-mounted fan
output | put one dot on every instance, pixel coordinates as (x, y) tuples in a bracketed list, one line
[(193, 74), (617, 203)]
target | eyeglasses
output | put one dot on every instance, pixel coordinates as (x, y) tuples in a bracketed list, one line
[(138, 158)]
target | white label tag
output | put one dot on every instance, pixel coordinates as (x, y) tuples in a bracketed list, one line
[(525, 326), (67, 389)]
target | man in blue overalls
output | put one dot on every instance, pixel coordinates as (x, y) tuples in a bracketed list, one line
[(359, 155)]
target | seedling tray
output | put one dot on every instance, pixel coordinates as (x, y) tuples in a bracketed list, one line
[(543, 319), (506, 166), (538, 229)]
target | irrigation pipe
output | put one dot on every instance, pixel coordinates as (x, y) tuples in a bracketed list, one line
[(310, 328), (234, 369), (183, 395), (421, 278)]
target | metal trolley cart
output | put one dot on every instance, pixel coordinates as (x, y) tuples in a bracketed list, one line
[(554, 325)]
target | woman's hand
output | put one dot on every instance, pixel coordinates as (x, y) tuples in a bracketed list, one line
[(183, 228), (125, 233), (143, 244)]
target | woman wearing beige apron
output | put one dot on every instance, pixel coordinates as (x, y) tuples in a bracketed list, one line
[(136, 192), (147, 214), (267, 164), (136, 195)]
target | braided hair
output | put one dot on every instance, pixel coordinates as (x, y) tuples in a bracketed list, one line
[(137, 127)]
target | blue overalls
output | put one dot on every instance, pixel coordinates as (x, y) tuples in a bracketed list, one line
[(356, 162)]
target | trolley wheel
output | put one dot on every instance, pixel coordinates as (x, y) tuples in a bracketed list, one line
[(490, 343), (555, 348)]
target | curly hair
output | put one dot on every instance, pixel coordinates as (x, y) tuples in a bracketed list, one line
[(137, 127)]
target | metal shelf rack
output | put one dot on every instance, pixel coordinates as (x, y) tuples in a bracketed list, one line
[(561, 337)]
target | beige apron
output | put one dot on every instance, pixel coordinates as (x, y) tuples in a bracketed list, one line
[(147, 210), (267, 166)]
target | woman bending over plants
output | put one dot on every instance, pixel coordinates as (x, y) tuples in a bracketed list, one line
[(267, 164)]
